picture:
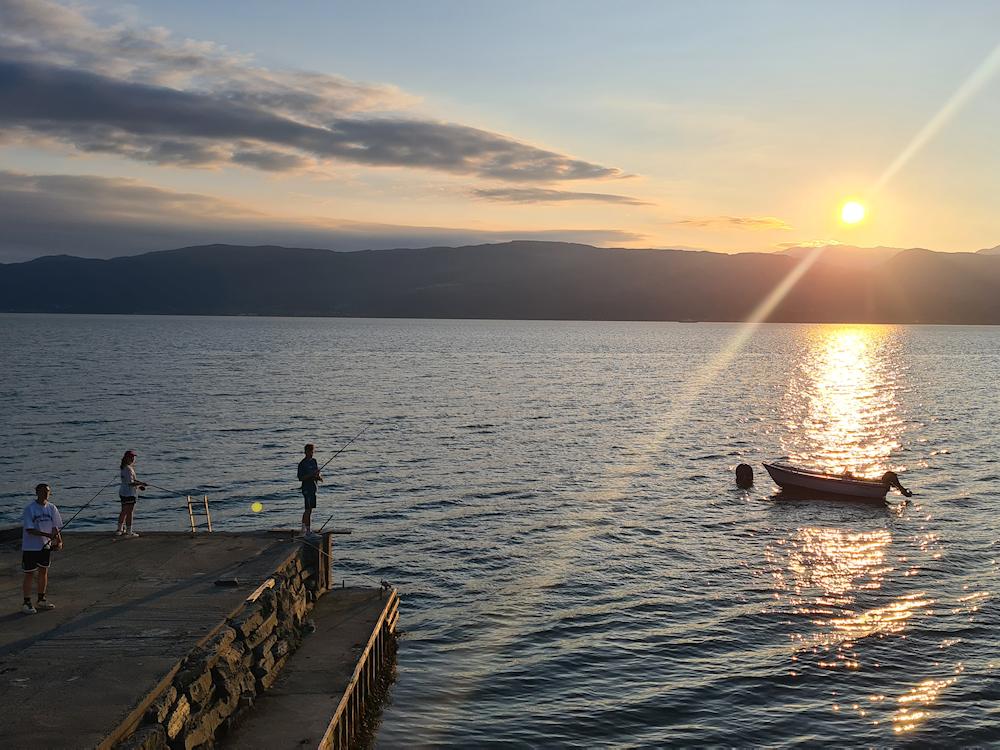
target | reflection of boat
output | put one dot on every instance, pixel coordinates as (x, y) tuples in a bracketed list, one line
[(839, 485)]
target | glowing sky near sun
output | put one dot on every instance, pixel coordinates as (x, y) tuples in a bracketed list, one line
[(729, 126)]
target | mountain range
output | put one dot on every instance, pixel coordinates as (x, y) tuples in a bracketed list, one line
[(518, 280)]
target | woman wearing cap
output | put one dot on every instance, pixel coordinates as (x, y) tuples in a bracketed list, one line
[(128, 491)]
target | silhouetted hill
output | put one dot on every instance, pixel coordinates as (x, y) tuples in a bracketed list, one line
[(541, 280), (847, 255)]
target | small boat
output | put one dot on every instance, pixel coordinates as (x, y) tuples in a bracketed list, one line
[(792, 478)]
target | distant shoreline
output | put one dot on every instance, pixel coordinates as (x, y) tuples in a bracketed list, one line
[(494, 320), (546, 281)]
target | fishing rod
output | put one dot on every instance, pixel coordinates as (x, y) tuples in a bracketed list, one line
[(80, 510), (333, 457), (360, 433), (84, 507)]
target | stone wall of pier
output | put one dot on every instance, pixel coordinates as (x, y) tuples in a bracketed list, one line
[(220, 679)]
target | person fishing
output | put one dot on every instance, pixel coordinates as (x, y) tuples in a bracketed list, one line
[(309, 475), (41, 526), (128, 493)]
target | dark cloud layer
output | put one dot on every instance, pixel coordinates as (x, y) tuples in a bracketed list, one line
[(106, 217), (140, 94), (546, 195)]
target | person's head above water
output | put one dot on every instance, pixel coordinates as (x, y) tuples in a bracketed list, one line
[(309, 449)]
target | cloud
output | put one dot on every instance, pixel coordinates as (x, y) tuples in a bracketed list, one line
[(735, 222), (46, 32), (103, 217), (140, 93), (808, 243), (544, 195)]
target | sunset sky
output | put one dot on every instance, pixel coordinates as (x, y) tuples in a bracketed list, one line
[(726, 126)]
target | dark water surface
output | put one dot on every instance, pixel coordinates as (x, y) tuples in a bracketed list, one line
[(555, 503)]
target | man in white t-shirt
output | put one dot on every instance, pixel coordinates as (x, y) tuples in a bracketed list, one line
[(40, 536)]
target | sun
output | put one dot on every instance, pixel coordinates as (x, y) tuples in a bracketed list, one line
[(852, 212)]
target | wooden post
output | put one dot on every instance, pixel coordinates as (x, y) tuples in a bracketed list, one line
[(208, 515), (324, 568), (190, 513)]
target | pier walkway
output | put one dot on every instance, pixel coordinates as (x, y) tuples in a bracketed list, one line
[(180, 640), (296, 711), (127, 611)]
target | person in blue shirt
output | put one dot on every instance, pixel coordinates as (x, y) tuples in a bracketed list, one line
[(40, 535), (309, 475)]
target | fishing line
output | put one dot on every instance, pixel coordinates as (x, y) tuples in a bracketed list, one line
[(382, 582), (164, 489)]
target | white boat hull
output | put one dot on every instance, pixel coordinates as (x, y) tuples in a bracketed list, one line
[(792, 478)]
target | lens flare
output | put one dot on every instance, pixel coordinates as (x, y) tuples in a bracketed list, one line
[(257, 506)]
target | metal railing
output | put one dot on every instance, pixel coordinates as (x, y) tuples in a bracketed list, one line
[(370, 678)]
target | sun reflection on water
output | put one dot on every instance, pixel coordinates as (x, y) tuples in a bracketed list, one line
[(842, 401), (833, 562), (821, 573), (914, 705)]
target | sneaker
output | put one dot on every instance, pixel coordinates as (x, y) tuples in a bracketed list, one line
[(131, 534), (120, 532), (29, 610), (44, 604)]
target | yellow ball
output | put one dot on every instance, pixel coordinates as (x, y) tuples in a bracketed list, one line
[(257, 506)]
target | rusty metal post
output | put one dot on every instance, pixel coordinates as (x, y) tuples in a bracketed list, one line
[(325, 578)]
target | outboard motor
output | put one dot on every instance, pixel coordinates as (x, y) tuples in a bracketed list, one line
[(892, 479)]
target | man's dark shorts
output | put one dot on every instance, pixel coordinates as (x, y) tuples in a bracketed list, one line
[(309, 493), (32, 560), (126, 500)]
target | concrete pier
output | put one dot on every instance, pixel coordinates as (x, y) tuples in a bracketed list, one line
[(300, 709), (167, 640)]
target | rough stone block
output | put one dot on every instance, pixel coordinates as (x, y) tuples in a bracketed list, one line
[(203, 658), (235, 655), (149, 737), (260, 634), (281, 648), (267, 601), (178, 717), (268, 679), (266, 645), (160, 708), (263, 666), (221, 640), (200, 691), (202, 728), (227, 678), (248, 620)]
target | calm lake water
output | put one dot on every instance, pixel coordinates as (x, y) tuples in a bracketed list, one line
[(555, 502)]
